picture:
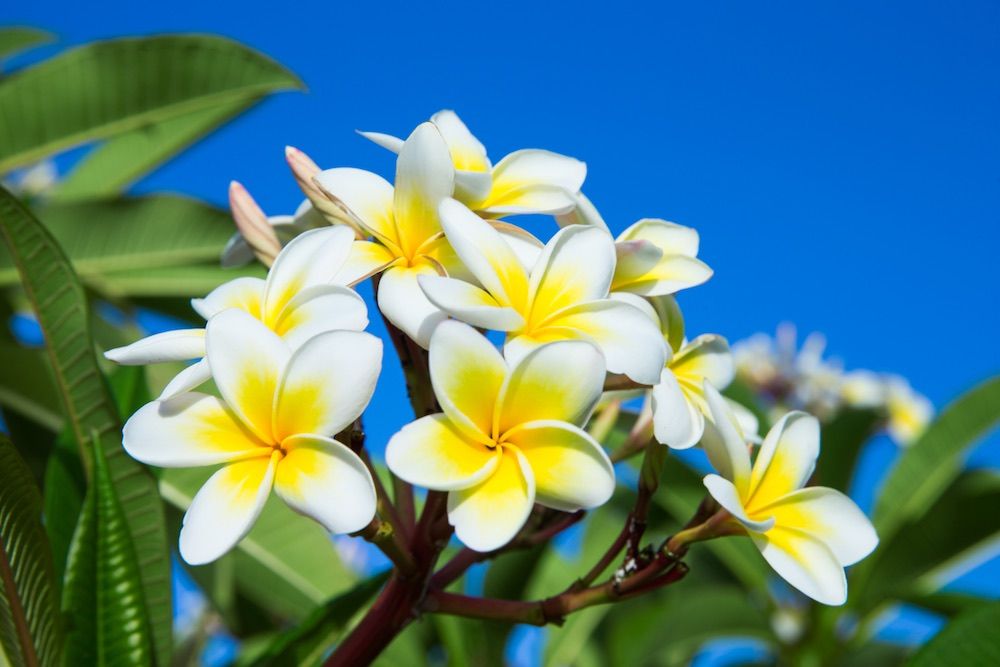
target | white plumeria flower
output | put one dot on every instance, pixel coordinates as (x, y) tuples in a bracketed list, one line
[(271, 428), (563, 297), (909, 412), (808, 535), (656, 257), (510, 435), (679, 406), (863, 389), (404, 221), (304, 295), (525, 181)]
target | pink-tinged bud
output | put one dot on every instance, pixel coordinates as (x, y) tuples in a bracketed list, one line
[(253, 225), (305, 170)]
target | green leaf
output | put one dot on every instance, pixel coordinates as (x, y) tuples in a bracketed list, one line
[(133, 234), (110, 168), (104, 589), (947, 603), (676, 623), (286, 564), (311, 640), (30, 625), (64, 490), (842, 439), (61, 308), (109, 88), (19, 38), (926, 468), (925, 554), (971, 639), (171, 281), (26, 385)]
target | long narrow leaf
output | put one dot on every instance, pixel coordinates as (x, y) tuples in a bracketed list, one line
[(110, 168), (925, 469), (20, 38), (971, 639), (61, 308), (30, 626), (137, 234), (104, 592), (109, 88)]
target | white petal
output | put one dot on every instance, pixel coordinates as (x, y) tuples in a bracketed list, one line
[(677, 422), (669, 237), (387, 141), (246, 294), (671, 320), (365, 260), (537, 181), (247, 360), (524, 244), (177, 345), (405, 305), (424, 177), (433, 453), (585, 213), (190, 378), (366, 197), (472, 187), (327, 384), (312, 259), (190, 430), (469, 303), (747, 420), (225, 508), (467, 373), (805, 563), (467, 153), (829, 516), (486, 254), (325, 480), (786, 459), (559, 381), (488, 515), (629, 339), (557, 280), (319, 309), (725, 442), (707, 357), (570, 468), (729, 498)]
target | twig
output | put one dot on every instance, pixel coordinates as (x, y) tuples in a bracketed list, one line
[(382, 534)]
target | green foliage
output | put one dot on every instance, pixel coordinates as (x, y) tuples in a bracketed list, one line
[(30, 626), (104, 594), (287, 563), (17, 39), (842, 440), (27, 387), (61, 308), (972, 639), (110, 168), (134, 235), (952, 531), (110, 88), (308, 642), (927, 467)]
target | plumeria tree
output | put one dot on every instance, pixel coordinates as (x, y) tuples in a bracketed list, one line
[(553, 388)]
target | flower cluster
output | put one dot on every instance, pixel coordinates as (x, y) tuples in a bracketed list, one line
[(802, 379), (579, 314)]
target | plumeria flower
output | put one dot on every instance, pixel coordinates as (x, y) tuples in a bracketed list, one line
[(808, 535), (304, 295), (261, 235), (510, 434), (909, 411), (525, 181), (563, 297), (271, 429), (656, 257), (679, 406), (404, 222)]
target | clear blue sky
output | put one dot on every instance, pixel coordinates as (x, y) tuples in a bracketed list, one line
[(841, 160)]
